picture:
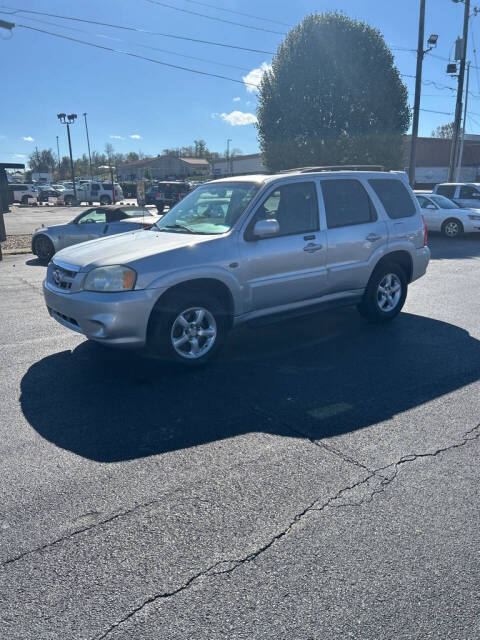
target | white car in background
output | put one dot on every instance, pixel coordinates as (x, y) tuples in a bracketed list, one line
[(446, 216)]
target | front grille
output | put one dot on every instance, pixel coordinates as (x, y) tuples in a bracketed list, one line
[(60, 277)]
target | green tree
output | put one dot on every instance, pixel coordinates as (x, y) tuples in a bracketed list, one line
[(444, 131), (42, 161), (200, 148), (132, 157), (333, 96)]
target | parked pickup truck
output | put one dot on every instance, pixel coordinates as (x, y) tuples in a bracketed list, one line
[(91, 192), (465, 194)]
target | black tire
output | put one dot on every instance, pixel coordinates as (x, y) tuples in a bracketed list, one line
[(105, 200), (160, 208), (24, 200), (373, 300), (43, 248), (452, 228), (69, 200), (163, 322)]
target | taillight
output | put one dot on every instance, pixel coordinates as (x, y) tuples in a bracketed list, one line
[(157, 195), (146, 226), (425, 232)]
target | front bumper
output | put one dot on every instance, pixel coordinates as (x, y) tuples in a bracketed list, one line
[(117, 319)]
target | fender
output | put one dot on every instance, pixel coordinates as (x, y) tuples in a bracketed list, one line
[(190, 274)]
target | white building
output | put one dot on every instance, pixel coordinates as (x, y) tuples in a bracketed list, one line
[(238, 165)]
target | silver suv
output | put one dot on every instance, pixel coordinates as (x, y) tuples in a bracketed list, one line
[(237, 249)]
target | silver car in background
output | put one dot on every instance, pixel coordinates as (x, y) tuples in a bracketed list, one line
[(97, 222), (237, 249)]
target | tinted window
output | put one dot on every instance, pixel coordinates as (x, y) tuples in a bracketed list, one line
[(107, 186), (394, 196), (468, 192), (424, 202), (294, 206), (346, 203), (446, 190)]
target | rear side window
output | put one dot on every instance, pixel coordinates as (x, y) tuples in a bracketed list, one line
[(347, 203), (446, 190), (394, 196), (468, 192)]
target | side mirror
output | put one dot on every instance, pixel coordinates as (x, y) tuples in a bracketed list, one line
[(266, 229)]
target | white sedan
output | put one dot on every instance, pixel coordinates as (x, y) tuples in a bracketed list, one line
[(446, 216)]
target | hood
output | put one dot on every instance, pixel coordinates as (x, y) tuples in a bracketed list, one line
[(126, 248), (53, 228)]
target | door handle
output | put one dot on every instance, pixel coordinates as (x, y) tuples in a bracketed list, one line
[(311, 247), (372, 237)]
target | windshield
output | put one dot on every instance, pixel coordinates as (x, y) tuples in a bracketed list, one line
[(211, 209), (444, 203)]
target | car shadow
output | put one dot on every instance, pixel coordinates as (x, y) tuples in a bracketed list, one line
[(317, 377), (466, 246), (35, 262)]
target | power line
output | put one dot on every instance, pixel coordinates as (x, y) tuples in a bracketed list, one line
[(202, 15), (143, 46), (444, 113), (134, 55), (238, 13), (135, 29)]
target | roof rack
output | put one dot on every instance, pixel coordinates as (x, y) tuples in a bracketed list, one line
[(342, 167)]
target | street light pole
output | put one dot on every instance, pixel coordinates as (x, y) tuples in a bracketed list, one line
[(68, 120), (458, 107), (88, 144)]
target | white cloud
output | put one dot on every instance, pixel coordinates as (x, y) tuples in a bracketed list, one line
[(19, 155), (253, 77), (236, 100), (28, 138), (135, 136), (117, 137), (238, 118)]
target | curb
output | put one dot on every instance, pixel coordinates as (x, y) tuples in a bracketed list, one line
[(15, 252)]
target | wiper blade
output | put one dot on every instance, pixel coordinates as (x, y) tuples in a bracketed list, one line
[(176, 226)]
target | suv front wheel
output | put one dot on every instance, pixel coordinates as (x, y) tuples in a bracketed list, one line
[(188, 328), (385, 294)]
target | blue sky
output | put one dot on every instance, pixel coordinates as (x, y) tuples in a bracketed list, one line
[(138, 105)]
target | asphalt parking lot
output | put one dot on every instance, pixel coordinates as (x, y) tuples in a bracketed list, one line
[(319, 480)]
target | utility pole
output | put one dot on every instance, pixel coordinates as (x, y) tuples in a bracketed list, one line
[(418, 90), (88, 143), (228, 155), (458, 106), (58, 156), (460, 154)]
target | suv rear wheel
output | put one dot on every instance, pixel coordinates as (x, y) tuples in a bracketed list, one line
[(385, 294), (105, 200), (188, 328)]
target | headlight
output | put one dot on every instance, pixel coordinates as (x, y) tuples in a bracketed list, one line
[(112, 278), (474, 217)]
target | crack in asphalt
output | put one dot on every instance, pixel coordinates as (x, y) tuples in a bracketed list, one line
[(76, 532), (318, 443), (469, 436)]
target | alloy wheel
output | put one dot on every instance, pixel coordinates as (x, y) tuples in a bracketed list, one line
[(193, 333), (389, 292)]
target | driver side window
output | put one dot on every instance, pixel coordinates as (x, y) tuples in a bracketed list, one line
[(294, 206), (93, 215), (425, 203)]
